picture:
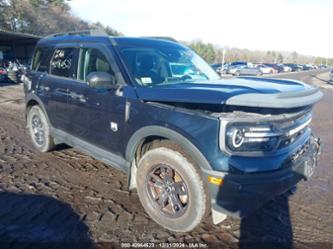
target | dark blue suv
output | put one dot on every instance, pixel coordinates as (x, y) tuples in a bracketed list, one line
[(192, 144)]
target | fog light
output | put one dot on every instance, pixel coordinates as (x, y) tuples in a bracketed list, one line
[(215, 180)]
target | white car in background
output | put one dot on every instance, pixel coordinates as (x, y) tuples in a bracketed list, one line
[(244, 70), (265, 69)]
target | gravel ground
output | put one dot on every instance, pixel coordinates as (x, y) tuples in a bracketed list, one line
[(65, 199)]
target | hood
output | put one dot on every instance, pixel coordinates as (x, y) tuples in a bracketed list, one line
[(246, 91)]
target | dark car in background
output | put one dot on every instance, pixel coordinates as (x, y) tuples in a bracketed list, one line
[(277, 67), (217, 67), (191, 143), (239, 63), (307, 67), (294, 67), (322, 66)]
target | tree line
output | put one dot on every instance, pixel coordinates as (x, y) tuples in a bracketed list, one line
[(43, 17), (213, 54)]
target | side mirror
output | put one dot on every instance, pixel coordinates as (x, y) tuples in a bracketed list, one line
[(101, 80)]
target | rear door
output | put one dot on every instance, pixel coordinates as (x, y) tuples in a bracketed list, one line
[(40, 66), (54, 85)]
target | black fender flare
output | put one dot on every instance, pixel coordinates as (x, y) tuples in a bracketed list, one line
[(172, 135)]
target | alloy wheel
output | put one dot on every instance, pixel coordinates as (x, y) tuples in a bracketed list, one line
[(167, 191)]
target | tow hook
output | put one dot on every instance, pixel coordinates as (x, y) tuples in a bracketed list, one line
[(319, 148), (318, 144)]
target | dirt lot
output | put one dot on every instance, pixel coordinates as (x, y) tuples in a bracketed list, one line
[(66, 199)]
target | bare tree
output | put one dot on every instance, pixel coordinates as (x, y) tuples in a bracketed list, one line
[(43, 17)]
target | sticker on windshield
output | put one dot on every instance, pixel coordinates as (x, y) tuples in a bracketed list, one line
[(146, 80)]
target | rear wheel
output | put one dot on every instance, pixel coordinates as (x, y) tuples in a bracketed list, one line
[(237, 73), (171, 189), (39, 129)]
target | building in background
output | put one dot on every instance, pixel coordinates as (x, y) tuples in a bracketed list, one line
[(17, 46)]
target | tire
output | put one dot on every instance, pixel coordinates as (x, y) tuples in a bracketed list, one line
[(237, 73), (192, 206), (39, 130)]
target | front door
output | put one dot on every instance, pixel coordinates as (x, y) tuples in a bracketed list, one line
[(97, 115)]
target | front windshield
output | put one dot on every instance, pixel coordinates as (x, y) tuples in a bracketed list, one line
[(160, 65)]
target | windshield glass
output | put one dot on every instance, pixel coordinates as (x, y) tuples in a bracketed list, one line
[(156, 65)]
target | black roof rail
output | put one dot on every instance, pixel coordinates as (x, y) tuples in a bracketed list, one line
[(93, 32), (162, 38)]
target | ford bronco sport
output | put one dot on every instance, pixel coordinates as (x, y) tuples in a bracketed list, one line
[(192, 144)]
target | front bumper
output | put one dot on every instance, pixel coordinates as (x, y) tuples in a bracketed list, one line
[(241, 194)]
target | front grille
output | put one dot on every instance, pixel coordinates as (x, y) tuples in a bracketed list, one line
[(293, 129), (297, 155)]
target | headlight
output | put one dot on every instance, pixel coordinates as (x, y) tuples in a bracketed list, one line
[(237, 138), (250, 138), (253, 136)]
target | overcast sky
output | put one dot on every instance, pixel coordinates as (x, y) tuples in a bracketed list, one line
[(304, 26)]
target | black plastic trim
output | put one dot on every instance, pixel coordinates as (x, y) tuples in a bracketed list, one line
[(92, 150), (153, 130)]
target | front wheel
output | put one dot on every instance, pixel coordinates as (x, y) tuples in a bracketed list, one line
[(171, 189), (39, 129)]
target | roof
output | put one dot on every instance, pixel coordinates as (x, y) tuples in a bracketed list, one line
[(118, 40), (11, 36), (72, 38), (145, 41)]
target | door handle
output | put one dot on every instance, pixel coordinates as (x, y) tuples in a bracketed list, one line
[(44, 88), (82, 98), (61, 91), (41, 76), (77, 96)]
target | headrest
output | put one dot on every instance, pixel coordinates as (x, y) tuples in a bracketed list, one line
[(102, 66), (145, 62)]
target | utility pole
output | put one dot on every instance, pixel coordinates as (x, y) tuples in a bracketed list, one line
[(223, 57)]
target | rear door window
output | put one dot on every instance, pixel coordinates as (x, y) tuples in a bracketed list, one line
[(41, 59), (63, 62)]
